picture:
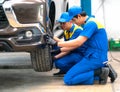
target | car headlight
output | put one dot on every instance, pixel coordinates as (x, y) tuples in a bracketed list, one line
[(28, 34)]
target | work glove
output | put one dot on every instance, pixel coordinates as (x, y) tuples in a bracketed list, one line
[(49, 35), (54, 52), (49, 40), (53, 58)]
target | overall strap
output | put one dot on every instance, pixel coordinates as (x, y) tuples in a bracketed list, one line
[(99, 25), (69, 34)]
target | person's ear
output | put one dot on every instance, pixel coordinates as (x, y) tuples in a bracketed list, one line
[(79, 16)]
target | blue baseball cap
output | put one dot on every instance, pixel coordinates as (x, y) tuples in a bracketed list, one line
[(74, 10), (64, 17)]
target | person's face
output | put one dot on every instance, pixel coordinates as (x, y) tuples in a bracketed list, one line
[(77, 20), (65, 25)]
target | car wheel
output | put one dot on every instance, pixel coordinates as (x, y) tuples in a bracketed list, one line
[(41, 59)]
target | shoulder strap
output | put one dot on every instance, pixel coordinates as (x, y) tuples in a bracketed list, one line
[(99, 25), (68, 34), (75, 28)]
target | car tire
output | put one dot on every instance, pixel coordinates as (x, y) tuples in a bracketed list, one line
[(41, 59)]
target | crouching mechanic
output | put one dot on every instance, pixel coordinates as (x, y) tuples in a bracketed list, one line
[(66, 59), (93, 62)]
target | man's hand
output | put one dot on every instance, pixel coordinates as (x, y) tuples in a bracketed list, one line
[(49, 40)]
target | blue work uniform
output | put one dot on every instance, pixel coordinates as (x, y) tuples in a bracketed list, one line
[(66, 62), (94, 56)]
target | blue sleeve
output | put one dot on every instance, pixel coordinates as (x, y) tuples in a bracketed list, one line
[(89, 29), (76, 34)]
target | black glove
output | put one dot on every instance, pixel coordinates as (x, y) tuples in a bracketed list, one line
[(55, 51), (49, 40), (49, 35), (53, 58)]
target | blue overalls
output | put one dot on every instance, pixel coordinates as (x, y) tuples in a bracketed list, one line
[(66, 62), (94, 57)]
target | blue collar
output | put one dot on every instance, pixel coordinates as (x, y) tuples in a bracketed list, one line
[(92, 16)]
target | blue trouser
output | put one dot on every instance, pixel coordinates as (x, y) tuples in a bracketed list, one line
[(83, 71), (66, 62)]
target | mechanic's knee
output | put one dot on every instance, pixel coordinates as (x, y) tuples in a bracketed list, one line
[(67, 81)]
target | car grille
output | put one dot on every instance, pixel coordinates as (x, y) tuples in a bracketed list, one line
[(3, 19)]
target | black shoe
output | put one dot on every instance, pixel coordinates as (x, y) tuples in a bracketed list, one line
[(60, 73), (112, 73), (104, 75)]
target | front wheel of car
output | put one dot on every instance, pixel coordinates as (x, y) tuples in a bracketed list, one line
[(41, 59)]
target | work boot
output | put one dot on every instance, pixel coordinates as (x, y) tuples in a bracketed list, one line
[(60, 73), (112, 73), (104, 75)]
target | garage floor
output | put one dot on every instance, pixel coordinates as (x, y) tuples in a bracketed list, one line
[(27, 80)]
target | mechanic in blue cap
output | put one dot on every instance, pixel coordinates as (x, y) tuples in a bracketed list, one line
[(77, 15), (65, 60), (95, 56)]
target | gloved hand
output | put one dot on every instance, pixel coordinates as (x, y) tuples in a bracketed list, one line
[(49, 40), (49, 35), (55, 51), (53, 58)]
